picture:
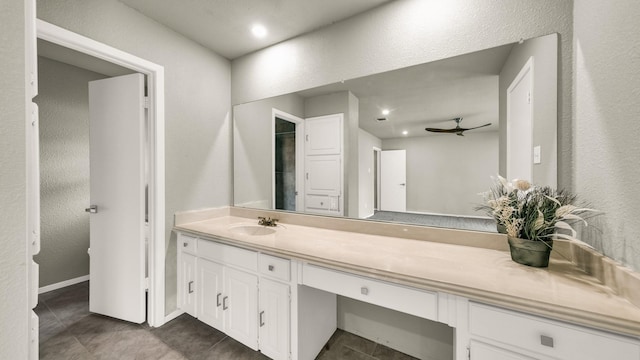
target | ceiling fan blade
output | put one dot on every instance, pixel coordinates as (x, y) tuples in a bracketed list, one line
[(477, 127), (454, 130)]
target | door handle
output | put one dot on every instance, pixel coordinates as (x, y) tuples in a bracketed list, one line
[(93, 209), (218, 299), (403, 184), (190, 287), (261, 318), (224, 303)]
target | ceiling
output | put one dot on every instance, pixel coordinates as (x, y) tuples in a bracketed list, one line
[(224, 25), (428, 95)]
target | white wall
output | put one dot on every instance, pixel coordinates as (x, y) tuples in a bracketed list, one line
[(544, 51), (446, 172), (366, 143), (197, 110), (14, 308), (253, 148), (63, 103), (607, 123)]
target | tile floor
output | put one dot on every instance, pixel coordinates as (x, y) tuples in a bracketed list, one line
[(69, 331)]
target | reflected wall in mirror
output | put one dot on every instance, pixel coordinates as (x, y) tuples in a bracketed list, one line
[(390, 167)]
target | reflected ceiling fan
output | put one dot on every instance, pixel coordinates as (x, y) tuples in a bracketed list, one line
[(456, 130)]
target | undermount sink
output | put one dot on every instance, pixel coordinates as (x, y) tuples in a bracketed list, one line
[(254, 230)]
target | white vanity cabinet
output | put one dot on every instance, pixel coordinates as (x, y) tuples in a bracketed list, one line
[(241, 292), (498, 333)]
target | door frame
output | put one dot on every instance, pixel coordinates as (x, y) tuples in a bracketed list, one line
[(376, 176), (299, 156), (155, 132)]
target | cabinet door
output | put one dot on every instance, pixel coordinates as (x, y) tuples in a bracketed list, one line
[(241, 306), (274, 319), (188, 283), (210, 294), (481, 351), (324, 135)]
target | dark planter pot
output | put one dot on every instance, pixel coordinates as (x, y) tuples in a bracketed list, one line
[(530, 252)]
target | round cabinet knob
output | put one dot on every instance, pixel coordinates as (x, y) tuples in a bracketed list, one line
[(271, 267), (185, 244), (364, 290)]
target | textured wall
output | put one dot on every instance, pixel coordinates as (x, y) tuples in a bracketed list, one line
[(13, 214), (445, 173), (63, 101), (197, 104), (607, 123), (410, 32)]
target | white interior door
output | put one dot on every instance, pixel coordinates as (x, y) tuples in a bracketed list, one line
[(520, 125), (117, 274), (393, 180)]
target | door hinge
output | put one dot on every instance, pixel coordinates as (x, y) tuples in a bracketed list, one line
[(529, 97), (306, 137), (146, 102)]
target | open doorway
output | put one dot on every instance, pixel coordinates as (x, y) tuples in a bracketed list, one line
[(287, 160), (149, 140)]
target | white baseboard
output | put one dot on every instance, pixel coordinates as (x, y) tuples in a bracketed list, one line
[(62, 284), (173, 315)]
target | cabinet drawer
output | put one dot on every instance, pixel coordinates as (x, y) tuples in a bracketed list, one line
[(275, 267), (411, 301), (188, 244), (548, 337), (228, 255)]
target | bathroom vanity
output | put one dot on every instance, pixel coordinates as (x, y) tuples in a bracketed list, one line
[(275, 289)]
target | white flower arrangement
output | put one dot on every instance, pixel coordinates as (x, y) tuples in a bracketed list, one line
[(532, 212)]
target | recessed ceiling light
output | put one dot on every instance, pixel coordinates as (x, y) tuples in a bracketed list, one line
[(405, 132), (259, 31), (385, 111)]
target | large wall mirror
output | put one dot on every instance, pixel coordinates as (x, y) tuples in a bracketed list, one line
[(359, 148)]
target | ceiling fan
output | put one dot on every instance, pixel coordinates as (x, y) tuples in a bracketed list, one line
[(457, 130)]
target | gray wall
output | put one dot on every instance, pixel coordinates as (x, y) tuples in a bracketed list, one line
[(252, 148), (366, 169), (445, 173), (197, 104), (544, 51), (63, 102), (14, 308), (606, 123)]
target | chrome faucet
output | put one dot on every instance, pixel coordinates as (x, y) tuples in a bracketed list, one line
[(267, 221)]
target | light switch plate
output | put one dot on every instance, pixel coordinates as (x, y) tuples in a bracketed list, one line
[(536, 154)]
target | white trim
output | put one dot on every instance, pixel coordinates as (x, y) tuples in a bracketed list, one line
[(63, 284), (299, 156), (173, 315), (155, 84)]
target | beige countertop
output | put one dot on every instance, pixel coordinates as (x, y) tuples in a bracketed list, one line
[(561, 291)]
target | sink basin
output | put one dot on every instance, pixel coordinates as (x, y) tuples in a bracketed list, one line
[(254, 230)]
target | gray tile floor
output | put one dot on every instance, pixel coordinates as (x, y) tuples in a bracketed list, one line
[(69, 331)]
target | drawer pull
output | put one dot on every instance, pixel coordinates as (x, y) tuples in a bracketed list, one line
[(224, 303), (364, 290), (546, 341), (185, 244), (190, 287), (218, 300), (271, 267), (261, 318)]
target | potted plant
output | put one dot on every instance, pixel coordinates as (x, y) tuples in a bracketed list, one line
[(530, 216)]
